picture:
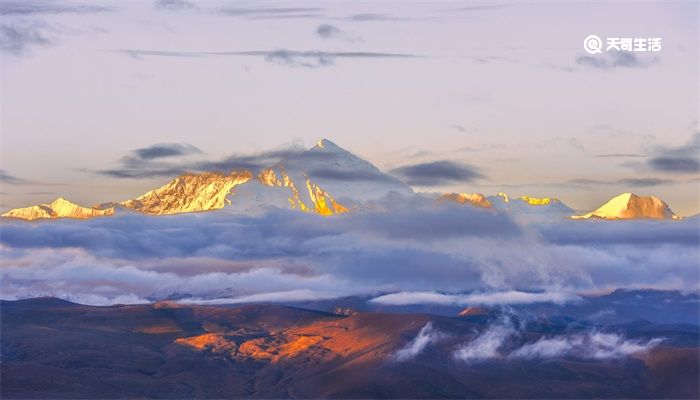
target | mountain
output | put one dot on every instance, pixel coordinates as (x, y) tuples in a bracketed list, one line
[(531, 207), (59, 208), (324, 179), (190, 192), (314, 180), (63, 350), (475, 199), (345, 175), (631, 206)]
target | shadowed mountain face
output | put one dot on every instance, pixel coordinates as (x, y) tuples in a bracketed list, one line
[(56, 349)]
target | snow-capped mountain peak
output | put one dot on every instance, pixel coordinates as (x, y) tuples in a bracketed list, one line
[(59, 208), (630, 206)]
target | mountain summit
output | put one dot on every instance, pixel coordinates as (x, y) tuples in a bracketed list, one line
[(59, 208), (324, 179), (631, 206)]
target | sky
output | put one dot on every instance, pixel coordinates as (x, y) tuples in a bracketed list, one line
[(504, 90)]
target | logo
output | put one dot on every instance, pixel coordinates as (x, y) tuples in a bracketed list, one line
[(593, 44)]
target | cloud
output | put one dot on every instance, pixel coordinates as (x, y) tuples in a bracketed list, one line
[(502, 340), (643, 182), (296, 295), (29, 7), (162, 150), (675, 164), (148, 162), (20, 37), (417, 253), (416, 346), (437, 173), (272, 13), (588, 345), (634, 182), (174, 5), (620, 155), (286, 57), (162, 160), (327, 31), (332, 173), (683, 159), (612, 60), (481, 7), (367, 17), (458, 128), (10, 179), (487, 344), (489, 299)]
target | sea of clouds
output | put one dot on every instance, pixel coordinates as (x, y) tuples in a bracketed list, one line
[(503, 340), (402, 255)]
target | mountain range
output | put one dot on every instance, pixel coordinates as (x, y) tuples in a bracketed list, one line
[(52, 348), (325, 180)]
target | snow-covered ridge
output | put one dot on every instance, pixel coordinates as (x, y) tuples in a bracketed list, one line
[(476, 199), (325, 180), (631, 206), (59, 208)]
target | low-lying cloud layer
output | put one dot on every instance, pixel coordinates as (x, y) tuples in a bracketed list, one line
[(487, 299), (588, 345), (408, 254), (496, 342), (507, 339), (425, 336)]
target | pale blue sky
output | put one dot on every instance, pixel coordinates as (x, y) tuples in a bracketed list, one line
[(505, 88)]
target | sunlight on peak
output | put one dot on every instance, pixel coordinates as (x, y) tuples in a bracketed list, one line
[(535, 201), (630, 206)]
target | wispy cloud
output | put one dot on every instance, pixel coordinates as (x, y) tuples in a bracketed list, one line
[(5, 177), (587, 345), (271, 12), (148, 162), (291, 58), (30, 7), (437, 173), (327, 31), (682, 159), (162, 150), (480, 7), (174, 5), (620, 155), (613, 60), (503, 339), (20, 37), (488, 298), (366, 17), (487, 345), (633, 182), (425, 336)]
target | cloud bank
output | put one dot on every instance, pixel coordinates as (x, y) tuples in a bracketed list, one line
[(437, 173), (404, 254), (487, 299), (425, 336), (587, 345)]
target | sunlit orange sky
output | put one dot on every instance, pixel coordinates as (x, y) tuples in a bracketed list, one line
[(505, 88)]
